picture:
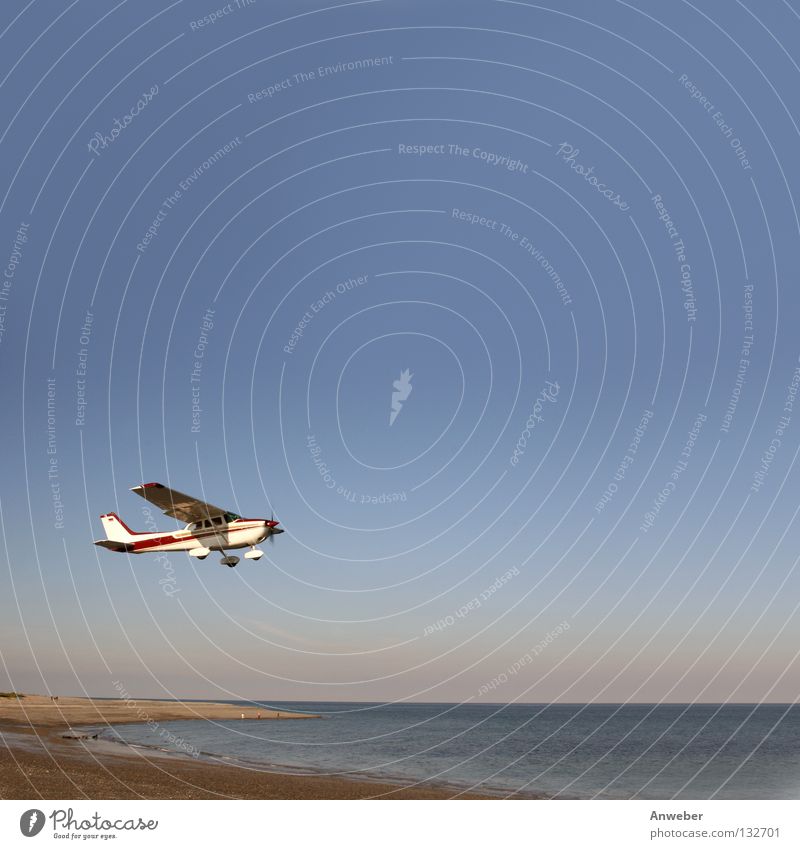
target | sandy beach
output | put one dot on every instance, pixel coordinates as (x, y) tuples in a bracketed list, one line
[(42, 711), (38, 761)]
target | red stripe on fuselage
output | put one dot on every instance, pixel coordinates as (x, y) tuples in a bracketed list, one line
[(169, 539)]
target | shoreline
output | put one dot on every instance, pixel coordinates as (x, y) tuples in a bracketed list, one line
[(42, 711), (93, 740), (37, 760)]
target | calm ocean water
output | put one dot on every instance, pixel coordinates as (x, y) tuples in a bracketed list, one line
[(573, 751)]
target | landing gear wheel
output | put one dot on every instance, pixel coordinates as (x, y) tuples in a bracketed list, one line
[(255, 554), (230, 560)]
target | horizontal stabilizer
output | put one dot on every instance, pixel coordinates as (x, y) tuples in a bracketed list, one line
[(113, 545)]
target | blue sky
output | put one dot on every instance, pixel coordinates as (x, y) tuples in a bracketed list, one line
[(564, 223)]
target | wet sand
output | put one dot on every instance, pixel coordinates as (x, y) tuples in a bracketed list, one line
[(37, 761)]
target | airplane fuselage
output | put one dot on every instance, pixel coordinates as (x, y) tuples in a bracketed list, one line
[(240, 534), (210, 528), (213, 534)]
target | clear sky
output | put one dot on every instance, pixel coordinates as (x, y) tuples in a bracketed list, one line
[(225, 235)]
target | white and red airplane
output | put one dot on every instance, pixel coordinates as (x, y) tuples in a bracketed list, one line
[(209, 528)]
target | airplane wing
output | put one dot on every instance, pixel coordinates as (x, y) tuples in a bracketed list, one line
[(177, 504)]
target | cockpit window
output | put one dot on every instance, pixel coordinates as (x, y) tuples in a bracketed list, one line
[(217, 520), (231, 517)]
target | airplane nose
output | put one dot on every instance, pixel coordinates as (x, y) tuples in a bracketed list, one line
[(272, 527)]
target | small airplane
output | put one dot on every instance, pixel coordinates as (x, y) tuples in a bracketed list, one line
[(209, 528)]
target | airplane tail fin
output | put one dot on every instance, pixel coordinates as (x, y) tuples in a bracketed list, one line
[(116, 530)]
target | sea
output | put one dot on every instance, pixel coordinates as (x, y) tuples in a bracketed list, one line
[(571, 751)]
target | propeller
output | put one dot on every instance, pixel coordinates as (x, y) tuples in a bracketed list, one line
[(272, 525)]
